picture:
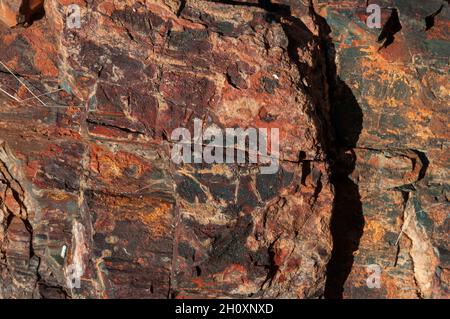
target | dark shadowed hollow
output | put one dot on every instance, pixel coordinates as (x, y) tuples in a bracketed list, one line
[(347, 221)]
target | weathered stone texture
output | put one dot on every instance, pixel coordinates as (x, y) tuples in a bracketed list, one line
[(401, 151), (104, 195), (87, 183)]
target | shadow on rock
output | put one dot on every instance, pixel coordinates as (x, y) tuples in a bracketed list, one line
[(347, 221)]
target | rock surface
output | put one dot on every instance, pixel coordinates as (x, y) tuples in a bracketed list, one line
[(398, 98), (88, 185)]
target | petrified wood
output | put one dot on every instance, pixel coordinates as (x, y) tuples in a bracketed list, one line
[(87, 183)]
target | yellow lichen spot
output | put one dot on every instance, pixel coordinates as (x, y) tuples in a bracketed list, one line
[(155, 219), (112, 240), (374, 230)]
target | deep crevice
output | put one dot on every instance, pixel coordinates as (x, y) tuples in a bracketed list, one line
[(347, 224), (389, 30), (120, 128), (344, 128), (347, 221), (340, 118), (429, 20), (267, 5), (30, 11), (425, 163), (181, 8)]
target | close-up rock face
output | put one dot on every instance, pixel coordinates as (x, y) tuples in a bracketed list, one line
[(94, 206)]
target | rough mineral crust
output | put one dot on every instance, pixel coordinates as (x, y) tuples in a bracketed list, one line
[(88, 185), (14, 12), (391, 120)]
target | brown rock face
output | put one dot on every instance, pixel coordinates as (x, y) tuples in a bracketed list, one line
[(90, 186), (13, 12), (390, 123), (94, 206)]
